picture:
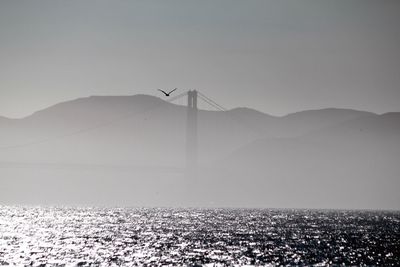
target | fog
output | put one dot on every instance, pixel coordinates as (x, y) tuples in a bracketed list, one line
[(131, 151)]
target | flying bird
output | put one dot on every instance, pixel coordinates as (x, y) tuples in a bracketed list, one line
[(165, 93)]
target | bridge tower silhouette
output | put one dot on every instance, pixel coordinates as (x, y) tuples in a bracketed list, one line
[(191, 134)]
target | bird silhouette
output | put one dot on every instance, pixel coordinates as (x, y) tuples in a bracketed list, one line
[(165, 93)]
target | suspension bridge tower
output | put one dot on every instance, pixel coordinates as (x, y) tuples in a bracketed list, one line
[(191, 134)]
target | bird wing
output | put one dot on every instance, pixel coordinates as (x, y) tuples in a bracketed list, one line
[(172, 90), (163, 91)]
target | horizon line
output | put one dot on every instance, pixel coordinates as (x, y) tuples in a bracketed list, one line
[(166, 100)]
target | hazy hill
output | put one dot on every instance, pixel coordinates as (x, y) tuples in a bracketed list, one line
[(352, 164), (143, 129), (129, 150), (304, 122), (378, 126), (3, 120)]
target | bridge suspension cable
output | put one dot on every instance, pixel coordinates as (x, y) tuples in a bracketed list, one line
[(210, 103), (213, 102), (229, 115)]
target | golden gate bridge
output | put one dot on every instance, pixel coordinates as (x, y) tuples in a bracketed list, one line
[(191, 126)]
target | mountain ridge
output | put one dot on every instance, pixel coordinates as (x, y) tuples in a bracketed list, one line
[(93, 148), (152, 97)]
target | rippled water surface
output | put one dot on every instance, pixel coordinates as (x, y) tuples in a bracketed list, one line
[(50, 236)]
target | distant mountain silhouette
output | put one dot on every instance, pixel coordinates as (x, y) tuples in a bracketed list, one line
[(304, 122), (3, 119), (128, 125), (352, 164), (334, 157)]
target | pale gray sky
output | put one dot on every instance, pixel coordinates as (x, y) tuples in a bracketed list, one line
[(275, 56)]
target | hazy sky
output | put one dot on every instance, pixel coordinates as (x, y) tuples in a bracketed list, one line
[(275, 56)]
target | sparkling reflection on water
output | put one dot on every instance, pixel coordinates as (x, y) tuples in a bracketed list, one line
[(156, 236)]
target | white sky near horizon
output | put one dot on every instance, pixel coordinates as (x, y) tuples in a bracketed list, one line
[(274, 56)]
